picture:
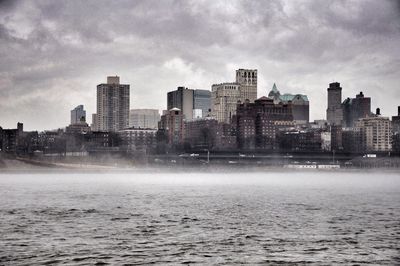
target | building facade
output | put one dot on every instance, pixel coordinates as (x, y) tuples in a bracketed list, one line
[(300, 104), (376, 133), (334, 113), (258, 123), (300, 140), (181, 98), (78, 115), (247, 80), (201, 103), (355, 108), (138, 139), (224, 97), (144, 118), (396, 122), (112, 105), (172, 123)]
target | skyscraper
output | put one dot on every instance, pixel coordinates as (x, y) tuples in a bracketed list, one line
[(181, 98), (334, 113), (78, 115), (355, 108), (247, 79), (112, 105)]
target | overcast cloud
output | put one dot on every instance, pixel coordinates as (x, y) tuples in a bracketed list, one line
[(54, 53)]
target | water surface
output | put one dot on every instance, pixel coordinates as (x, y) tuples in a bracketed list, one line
[(178, 218)]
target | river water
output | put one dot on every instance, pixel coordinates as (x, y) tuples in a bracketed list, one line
[(194, 218)]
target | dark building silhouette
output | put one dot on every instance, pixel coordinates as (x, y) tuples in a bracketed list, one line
[(300, 140), (10, 138), (396, 121), (352, 140), (336, 137), (202, 133), (355, 108), (334, 113), (396, 142), (257, 123)]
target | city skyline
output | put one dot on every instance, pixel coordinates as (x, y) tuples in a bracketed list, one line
[(52, 52)]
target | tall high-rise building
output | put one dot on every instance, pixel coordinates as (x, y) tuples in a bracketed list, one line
[(190, 102), (201, 103), (224, 97), (300, 104), (355, 108), (334, 113), (247, 79), (181, 98), (78, 115), (112, 105), (144, 118)]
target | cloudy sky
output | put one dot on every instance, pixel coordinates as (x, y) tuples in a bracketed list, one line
[(54, 53)]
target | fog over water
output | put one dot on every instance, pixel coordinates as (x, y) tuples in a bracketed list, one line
[(200, 218)]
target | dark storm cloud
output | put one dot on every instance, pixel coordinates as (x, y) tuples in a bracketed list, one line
[(53, 53)]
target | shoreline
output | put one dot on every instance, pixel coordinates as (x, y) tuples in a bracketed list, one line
[(23, 166)]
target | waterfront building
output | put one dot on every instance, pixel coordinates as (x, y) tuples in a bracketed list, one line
[(78, 115), (138, 139), (396, 143), (172, 123), (300, 104), (376, 133), (336, 137), (225, 97), (355, 108), (334, 112), (247, 80), (112, 105), (257, 123), (396, 122), (326, 141), (300, 140), (202, 133), (10, 138), (144, 118), (352, 140)]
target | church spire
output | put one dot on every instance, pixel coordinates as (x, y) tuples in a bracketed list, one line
[(274, 88)]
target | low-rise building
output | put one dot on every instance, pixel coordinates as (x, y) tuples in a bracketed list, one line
[(138, 139)]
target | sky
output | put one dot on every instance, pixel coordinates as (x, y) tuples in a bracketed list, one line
[(54, 53)]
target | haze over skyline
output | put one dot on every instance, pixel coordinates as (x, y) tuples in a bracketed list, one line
[(54, 53)]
